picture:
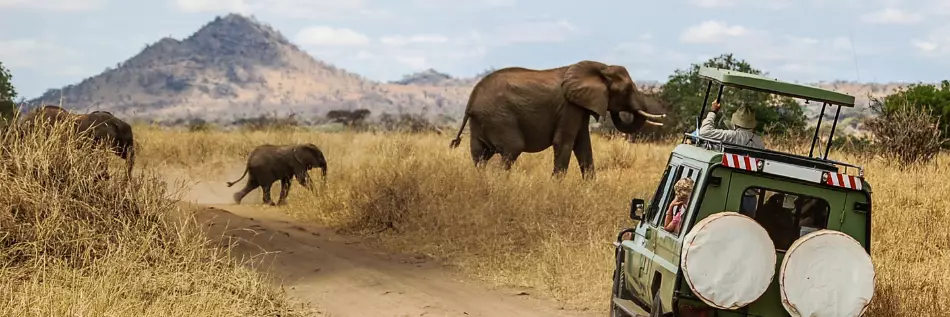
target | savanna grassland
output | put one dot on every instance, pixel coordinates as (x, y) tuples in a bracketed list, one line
[(411, 193), (74, 246)]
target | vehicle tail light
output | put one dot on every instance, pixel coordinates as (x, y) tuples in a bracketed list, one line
[(742, 162), (842, 180)]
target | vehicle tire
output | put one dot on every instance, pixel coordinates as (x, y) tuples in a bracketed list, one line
[(617, 289), (657, 309)]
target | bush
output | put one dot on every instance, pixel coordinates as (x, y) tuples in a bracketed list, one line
[(905, 134), (268, 123), (74, 245)]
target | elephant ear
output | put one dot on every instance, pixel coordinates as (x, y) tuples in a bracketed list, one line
[(298, 155), (304, 155), (584, 86)]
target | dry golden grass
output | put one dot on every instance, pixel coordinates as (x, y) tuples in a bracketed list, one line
[(74, 246), (412, 193)]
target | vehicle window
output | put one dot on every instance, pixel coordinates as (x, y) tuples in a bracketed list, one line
[(786, 216), (685, 172), (659, 198)]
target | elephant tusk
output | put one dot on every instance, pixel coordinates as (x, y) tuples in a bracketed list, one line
[(659, 124), (651, 116)]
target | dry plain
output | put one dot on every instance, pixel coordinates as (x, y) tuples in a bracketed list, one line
[(411, 197)]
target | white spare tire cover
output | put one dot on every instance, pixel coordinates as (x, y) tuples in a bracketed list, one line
[(826, 273), (728, 260)]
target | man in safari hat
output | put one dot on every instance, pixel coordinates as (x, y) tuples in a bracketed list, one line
[(742, 133)]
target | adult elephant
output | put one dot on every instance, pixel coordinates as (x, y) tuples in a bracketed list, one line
[(515, 110), (268, 163), (101, 126)]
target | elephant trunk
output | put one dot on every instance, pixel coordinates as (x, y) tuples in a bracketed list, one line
[(627, 127)]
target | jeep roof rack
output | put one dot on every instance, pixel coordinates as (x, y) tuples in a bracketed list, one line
[(741, 80), (766, 154)]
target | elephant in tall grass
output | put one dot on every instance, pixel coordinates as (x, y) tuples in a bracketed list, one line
[(515, 110), (268, 163), (101, 126)]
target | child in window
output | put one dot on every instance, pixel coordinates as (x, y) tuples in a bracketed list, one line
[(674, 214)]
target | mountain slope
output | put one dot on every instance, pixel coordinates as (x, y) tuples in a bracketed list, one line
[(235, 67)]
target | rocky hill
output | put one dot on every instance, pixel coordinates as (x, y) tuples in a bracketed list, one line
[(235, 67)]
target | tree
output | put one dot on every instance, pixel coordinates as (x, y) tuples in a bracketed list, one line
[(684, 92), (7, 93), (927, 97)]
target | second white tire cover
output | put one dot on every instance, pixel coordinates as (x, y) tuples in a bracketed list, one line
[(728, 260), (826, 273)]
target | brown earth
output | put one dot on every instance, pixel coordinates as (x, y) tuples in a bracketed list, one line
[(344, 276)]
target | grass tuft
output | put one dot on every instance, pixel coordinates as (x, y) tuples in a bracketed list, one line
[(73, 244)]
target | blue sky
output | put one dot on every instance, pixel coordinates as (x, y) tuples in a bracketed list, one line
[(52, 43)]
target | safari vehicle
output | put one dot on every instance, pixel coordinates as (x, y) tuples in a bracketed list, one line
[(763, 233)]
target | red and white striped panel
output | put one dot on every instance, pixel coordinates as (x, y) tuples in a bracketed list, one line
[(739, 161), (844, 180)]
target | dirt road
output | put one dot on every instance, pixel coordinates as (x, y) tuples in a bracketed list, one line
[(343, 276)]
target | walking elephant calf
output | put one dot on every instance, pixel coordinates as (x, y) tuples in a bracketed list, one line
[(268, 163)]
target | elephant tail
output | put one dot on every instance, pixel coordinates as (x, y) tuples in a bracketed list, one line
[(458, 137), (131, 160), (239, 179)]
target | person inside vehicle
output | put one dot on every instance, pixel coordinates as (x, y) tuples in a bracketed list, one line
[(742, 132), (674, 213)]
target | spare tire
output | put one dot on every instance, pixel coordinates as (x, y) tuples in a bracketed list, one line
[(728, 260), (826, 273)]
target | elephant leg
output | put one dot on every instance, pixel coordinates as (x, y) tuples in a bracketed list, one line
[(481, 152), (584, 154), (509, 158), (251, 185), (284, 190), (511, 150), (266, 191), (565, 137)]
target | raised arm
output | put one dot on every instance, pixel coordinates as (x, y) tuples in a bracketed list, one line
[(707, 129)]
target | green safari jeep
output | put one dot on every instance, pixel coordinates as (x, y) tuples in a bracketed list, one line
[(764, 233)]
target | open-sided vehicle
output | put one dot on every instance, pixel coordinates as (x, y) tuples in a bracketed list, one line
[(764, 233)]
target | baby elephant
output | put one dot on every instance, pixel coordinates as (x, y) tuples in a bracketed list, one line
[(268, 163)]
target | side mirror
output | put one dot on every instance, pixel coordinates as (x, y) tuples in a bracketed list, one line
[(636, 209)]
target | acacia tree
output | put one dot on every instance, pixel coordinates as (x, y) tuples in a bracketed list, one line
[(7, 93), (930, 98), (684, 92)]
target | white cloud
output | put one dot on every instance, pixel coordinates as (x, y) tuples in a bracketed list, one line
[(401, 40), (395, 55), (712, 32), (328, 36), (296, 9), (925, 46), (891, 16), (936, 44), (52, 5), (644, 60), (713, 3), (34, 54), (785, 55), (534, 32), (464, 5)]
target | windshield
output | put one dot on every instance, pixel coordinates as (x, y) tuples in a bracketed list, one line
[(785, 215)]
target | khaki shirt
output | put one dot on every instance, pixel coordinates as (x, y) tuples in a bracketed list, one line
[(740, 136)]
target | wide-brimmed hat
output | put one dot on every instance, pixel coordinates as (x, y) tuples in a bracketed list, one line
[(744, 117)]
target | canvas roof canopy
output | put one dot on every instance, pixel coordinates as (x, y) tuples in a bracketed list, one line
[(771, 85)]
